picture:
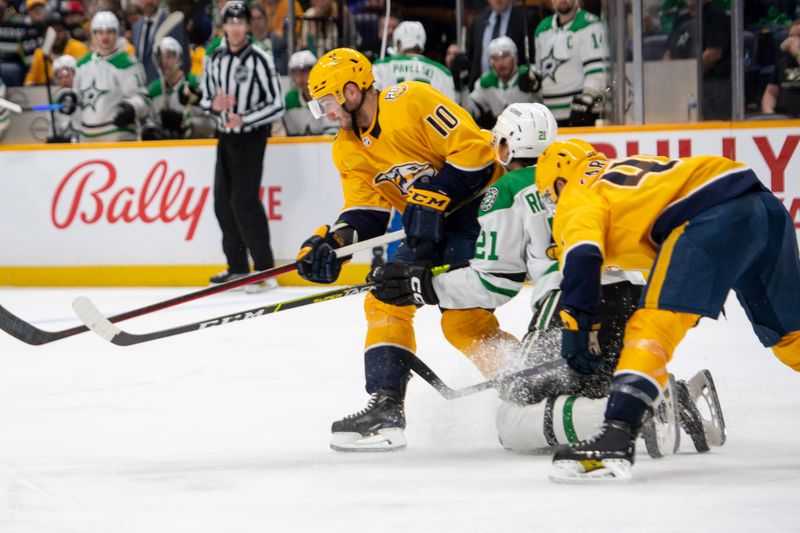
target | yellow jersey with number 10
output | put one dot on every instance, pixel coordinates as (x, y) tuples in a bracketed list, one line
[(415, 131), (628, 207)]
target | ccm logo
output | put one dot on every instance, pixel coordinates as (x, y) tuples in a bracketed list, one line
[(437, 202)]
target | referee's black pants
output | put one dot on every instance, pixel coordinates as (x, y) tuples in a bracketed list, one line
[(241, 215)]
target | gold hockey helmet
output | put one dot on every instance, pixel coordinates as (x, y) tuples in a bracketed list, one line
[(559, 161), (336, 69)]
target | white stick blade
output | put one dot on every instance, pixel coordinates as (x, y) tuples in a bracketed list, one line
[(91, 316), (11, 106)]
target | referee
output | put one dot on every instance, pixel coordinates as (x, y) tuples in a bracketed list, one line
[(242, 89)]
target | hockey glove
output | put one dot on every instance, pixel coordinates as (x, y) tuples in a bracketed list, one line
[(404, 284), (460, 69), (580, 112), (124, 115), (316, 261), (189, 95), (530, 81), (171, 120), (579, 343), (68, 100), (423, 218)]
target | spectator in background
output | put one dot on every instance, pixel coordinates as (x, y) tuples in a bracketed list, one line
[(394, 21), (409, 64), (502, 18), (144, 31), (715, 56), (262, 31), (74, 15), (173, 99), (198, 30), (110, 86), (321, 31), (458, 63), (133, 14), (37, 12), (505, 83), (64, 45), (572, 60), (18, 41), (782, 94), (298, 119), (277, 12)]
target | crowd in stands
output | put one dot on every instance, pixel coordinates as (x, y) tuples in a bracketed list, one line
[(551, 51)]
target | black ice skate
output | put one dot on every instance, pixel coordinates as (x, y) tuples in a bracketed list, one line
[(607, 456), (224, 277), (377, 428)]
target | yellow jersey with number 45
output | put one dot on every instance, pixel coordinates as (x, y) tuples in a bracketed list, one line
[(415, 132), (627, 207)]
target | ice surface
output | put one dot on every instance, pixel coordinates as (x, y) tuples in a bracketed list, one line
[(226, 430)]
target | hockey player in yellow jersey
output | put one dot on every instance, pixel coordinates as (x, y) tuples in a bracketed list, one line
[(701, 226), (406, 147)]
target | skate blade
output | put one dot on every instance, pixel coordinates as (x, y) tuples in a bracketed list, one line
[(385, 440), (606, 471)]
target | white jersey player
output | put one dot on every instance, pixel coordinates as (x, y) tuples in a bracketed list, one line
[(505, 83), (64, 75), (298, 119), (410, 65), (5, 114), (572, 60), (110, 86), (173, 98)]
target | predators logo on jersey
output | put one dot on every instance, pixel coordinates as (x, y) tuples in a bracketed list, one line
[(403, 176), (395, 92)]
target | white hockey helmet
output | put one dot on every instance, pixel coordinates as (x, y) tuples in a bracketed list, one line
[(105, 20), (408, 35), (170, 44), (302, 60), (527, 129), (502, 46), (64, 62)]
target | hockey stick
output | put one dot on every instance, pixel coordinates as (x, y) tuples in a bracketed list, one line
[(16, 108), (424, 371), (169, 24), (104, 328), (47, 50), (30, 334)]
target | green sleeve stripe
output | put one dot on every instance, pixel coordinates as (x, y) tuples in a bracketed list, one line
[(559, 106), (595, 71), (569, 426), (499, 290)]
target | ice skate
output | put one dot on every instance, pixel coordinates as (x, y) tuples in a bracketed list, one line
[(261, 286), (605, 457), (661, 431), (224, 277), (377, 428)]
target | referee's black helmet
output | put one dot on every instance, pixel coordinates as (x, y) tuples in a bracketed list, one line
[(235, 10)]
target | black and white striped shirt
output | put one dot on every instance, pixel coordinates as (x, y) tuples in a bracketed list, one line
[(250, 76)]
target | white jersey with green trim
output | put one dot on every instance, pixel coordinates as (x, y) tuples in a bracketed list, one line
[(572, 60), (102, 82), (5, 114), (512, 248), (492, 95), (413, 67)]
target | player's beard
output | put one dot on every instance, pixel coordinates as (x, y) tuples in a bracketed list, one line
[(566, 9)]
